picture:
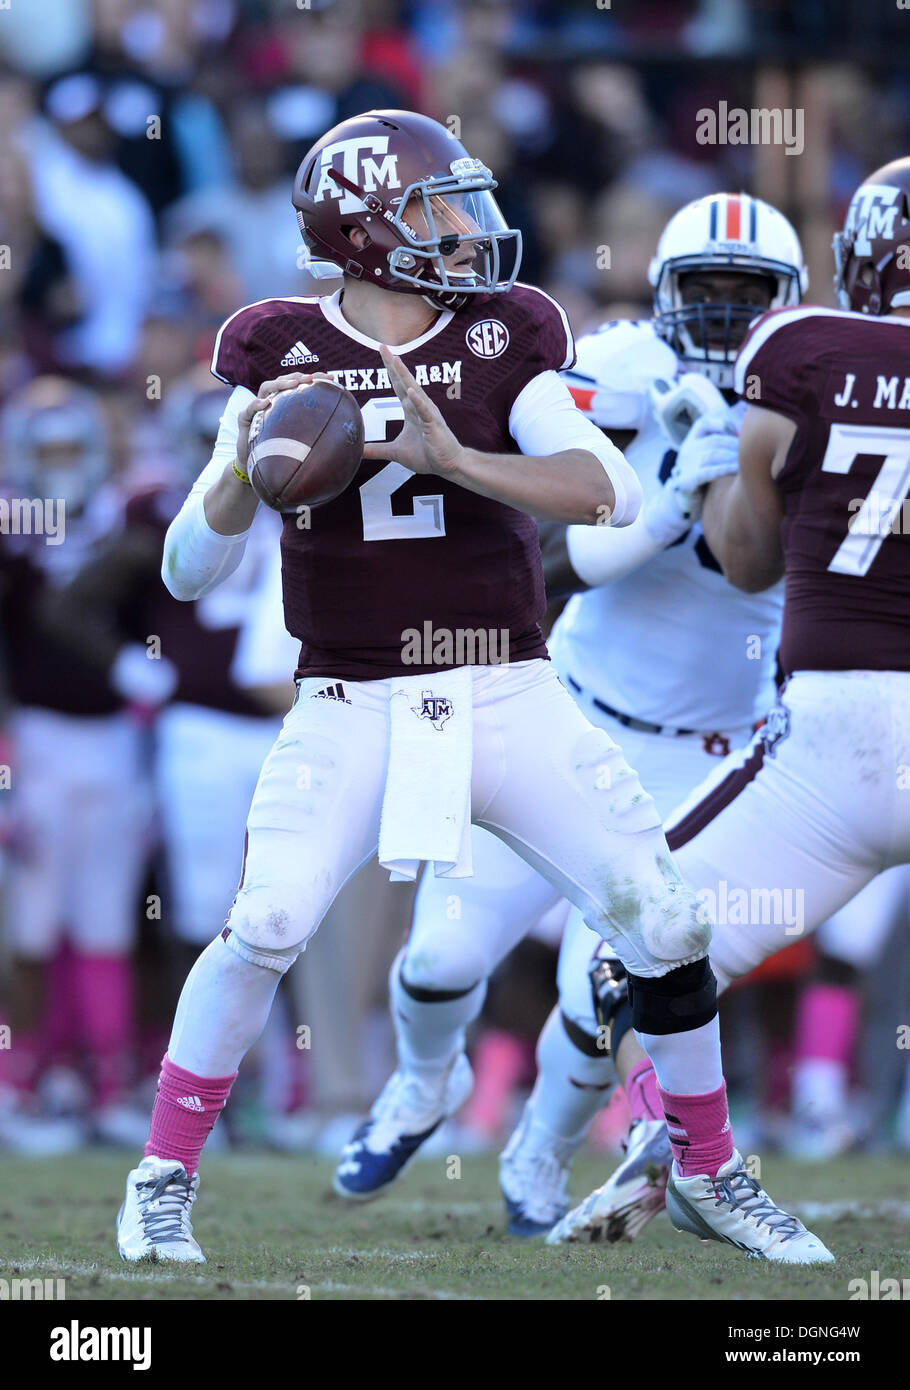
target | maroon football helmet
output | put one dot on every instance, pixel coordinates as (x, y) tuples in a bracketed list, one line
[(872, 253), (418, 196)]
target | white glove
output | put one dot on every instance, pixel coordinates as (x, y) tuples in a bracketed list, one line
[(140, 679), (710, 450), (679, 403)]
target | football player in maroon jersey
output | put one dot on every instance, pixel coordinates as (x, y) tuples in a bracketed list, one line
[(790, 828), (404, 730), (77, 775)]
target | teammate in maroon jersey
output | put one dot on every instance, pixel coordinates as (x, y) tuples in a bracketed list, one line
[(406, 726), (790, 828), (76, 774)]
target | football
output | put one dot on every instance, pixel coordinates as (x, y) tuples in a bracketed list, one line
[(306, 446)]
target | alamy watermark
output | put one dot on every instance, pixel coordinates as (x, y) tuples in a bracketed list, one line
[(742, 907), (460, 646), (759, 125), (34, 516)]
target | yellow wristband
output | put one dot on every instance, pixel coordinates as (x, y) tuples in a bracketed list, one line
[(239, 473)]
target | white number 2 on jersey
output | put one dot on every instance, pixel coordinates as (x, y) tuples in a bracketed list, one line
[(426, 518), (871, 525)]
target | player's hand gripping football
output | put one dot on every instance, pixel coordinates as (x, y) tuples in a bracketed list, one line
[(426, 444), (263, 400)]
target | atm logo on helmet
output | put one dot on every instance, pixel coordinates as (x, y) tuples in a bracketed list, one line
[(365, 161), (872, 214)]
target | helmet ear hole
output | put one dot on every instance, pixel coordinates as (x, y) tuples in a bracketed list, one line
[(361, 240), (866, 274)]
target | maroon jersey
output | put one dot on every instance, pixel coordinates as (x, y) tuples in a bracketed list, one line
[(39, 670), (199, 638), (400, 553), (844, 379)]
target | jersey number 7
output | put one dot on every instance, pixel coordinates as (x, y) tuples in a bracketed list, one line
[(871, 524)]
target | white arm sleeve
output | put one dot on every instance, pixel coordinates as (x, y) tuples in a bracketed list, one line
[(196, 558), (600, 554), (544, 419)]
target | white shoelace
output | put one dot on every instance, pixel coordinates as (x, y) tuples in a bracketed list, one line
[(745, 1194)]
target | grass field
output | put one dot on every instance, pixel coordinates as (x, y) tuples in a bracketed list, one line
[(270, 1225)]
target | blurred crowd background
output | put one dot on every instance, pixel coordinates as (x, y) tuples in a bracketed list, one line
[(145, 165)]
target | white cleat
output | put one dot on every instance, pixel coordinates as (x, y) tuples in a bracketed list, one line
[(735, 1209), (818, 1139), (628, 1199), (408, 1110), (534, 1178), (154, 1221)]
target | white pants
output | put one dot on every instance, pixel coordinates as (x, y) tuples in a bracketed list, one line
[(858, 932), (453, 947), (207, 763), (81, 811), (669, 767), (789, 830), (544, 780)]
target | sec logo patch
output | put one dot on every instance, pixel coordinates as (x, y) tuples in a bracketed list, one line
[(489, 338)]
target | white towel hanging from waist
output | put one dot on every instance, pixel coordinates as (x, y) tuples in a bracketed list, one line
[(426, 810)]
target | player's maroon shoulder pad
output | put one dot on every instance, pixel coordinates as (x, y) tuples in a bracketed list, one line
[(779, 363), (524, 331), (252, 339)]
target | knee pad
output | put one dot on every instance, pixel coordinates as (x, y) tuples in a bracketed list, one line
[(674, 926), (677, 1002), (274, 925), (280, 961), (440, 969)]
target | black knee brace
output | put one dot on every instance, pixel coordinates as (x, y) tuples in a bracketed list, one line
[(433, 996), (831, 971), (684, 999), (580, 1040)]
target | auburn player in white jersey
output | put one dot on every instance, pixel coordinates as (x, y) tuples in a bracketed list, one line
[(793, 826), (660, 651), (385, 749)]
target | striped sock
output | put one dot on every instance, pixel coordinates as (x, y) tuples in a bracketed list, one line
[(699, 1130)]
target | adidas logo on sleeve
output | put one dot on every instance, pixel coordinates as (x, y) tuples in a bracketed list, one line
[(298, 356)]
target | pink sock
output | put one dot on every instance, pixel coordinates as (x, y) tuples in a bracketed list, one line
[(103, 989), (186, 1108), (21, 1063), (60, 1031), (641, 1092), (699, 1129), (826, 1024)]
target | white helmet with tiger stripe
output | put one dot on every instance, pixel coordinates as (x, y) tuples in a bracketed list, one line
[(725, 231)]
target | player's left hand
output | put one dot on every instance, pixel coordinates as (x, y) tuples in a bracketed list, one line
[(426, 444), (710, 451)]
